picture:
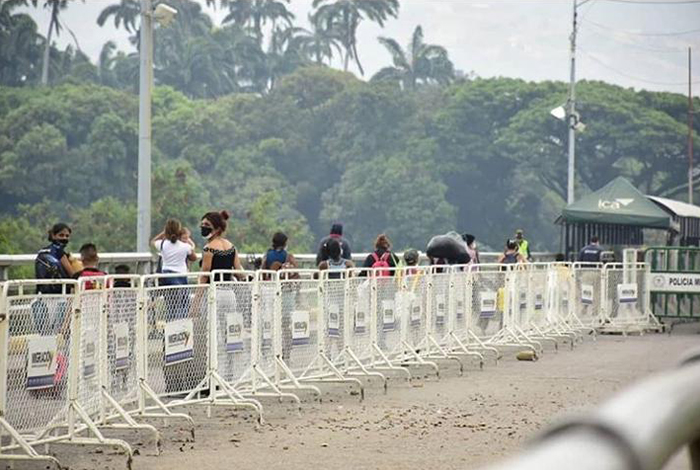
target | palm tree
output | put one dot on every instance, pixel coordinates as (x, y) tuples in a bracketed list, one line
[(345, 16), (420, 62), (285, 53), (54, 25), (253, 14), (20, 50), (319, 43), (126, 12)]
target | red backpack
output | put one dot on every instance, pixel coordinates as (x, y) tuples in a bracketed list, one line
[(382, 262)]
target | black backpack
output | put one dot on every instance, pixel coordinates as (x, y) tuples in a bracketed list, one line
[(47, 266)]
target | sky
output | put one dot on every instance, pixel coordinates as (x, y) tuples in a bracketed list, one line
[(641, 44)]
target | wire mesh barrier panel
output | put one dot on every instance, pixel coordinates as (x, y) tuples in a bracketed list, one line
[(588, 294), (233, 307), (358, 317), (300, 323), (415, 299), (178, 333), (537, 290), (388, 320), (92, 302), (123, 349), (460, 285), (334, 313), (38, 356), (440, 299), (489, 292), (627, 298)]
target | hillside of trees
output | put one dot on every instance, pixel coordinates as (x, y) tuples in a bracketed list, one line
[(249, 117)]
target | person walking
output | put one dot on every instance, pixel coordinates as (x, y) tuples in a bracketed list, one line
[(511, 255), (472, 250), (523, 244), (336, 233), (591, 253), (382, 257), (335, 263)]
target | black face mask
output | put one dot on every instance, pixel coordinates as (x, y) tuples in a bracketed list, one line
[(63, 243), (206, 231)]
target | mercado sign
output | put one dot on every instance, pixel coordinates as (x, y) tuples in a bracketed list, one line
[(675, 282)]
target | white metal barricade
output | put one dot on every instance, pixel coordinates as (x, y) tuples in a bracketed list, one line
[(104, 314), (413, 307), (457, 318), (588, 288), (248, 333), (339, 314), (46, 355), (304, 339), (181, 339), (626, 299), (493, 322)]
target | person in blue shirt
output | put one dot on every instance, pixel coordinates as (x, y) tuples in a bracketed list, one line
[(591, 252), (277, 257)]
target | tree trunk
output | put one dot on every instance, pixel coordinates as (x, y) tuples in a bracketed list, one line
[(357, 58), (47, 53)]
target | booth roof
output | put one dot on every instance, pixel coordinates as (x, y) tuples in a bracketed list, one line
[(617, 203)]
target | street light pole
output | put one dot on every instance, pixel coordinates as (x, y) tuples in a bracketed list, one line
[(143, 225), (571, 111)]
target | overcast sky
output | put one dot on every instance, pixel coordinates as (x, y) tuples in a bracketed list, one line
[(633, 43)]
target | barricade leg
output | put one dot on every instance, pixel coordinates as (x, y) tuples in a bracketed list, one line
[(24, 455)]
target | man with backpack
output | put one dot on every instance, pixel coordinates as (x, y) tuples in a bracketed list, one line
[(382, 258), (337, 234)]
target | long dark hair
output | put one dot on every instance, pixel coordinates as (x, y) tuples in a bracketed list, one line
[(217, 220), (58, 228)]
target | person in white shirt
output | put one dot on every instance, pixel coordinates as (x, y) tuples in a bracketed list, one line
[(176, 248)]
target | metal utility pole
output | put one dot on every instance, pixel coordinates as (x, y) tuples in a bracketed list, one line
[(571, 105), (690, 131), (143, 225)]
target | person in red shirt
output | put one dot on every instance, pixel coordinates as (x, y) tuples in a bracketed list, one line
[(88, 255)]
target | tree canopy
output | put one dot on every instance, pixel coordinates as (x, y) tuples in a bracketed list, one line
[(249, 117)]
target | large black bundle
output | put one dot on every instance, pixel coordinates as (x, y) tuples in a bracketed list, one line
[(449, 247)]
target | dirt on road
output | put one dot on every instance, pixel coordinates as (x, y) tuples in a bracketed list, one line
[(451, 423)]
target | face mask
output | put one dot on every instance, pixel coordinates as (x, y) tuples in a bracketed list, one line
[(206, 231), (63, 243)]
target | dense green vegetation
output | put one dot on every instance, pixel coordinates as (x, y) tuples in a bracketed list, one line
[(289, 143)]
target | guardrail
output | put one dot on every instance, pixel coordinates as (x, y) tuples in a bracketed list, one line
[(145, 263), (634, 430)]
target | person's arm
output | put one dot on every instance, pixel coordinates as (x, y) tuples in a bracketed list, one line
[(207, 258), (238, 267), (323, 265), (65, 262), (501, 257), (291, 262), (347, 253), (192, 256), (157, 238), (321, 254)]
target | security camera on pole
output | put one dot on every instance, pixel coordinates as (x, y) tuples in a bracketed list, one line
[(569, 113), (163, 14)]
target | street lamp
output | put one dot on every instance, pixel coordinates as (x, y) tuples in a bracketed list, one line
[(569, 113), (163, 14)]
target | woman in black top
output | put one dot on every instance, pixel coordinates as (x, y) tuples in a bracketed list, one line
[(218, 253)]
